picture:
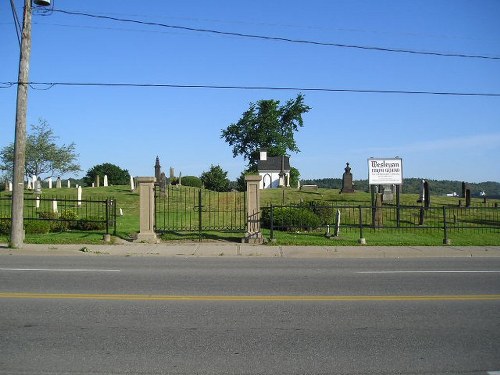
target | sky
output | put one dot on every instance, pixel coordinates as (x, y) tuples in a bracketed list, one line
[(443, 137)]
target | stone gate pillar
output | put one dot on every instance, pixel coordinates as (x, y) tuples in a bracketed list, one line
[(253, 234), (147, 210)]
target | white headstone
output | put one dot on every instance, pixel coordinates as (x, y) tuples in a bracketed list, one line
[(93, 184), (79, 194), (30, 186), (132, 185), (121, 212), (37, 203), (50, 182), (105, 183), (10, 185), (54, 206), (58, 183), (69, 184)]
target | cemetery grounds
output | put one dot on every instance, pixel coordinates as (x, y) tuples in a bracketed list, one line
[(487, 233)]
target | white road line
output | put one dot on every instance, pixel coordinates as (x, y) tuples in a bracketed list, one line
[(436, 271), (57, 270)]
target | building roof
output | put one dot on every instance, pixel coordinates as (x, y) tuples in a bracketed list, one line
[(273, 163)]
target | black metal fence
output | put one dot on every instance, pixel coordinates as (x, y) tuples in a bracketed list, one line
[(181, 208), (313, 216), (57, 214)]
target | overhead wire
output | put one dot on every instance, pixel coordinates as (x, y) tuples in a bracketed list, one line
[(275, 38), (235, 87), (17, 24)]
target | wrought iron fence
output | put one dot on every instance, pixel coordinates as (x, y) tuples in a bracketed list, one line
[(182, 208), (62, 213), (313, 216)]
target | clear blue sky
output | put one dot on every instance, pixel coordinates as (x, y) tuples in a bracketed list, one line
[(438, 137)]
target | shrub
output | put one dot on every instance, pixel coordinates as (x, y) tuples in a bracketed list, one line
[(37, 227), (325, 213), (48, 215), (192, 181), (4, 226), (91, 223), (291, 218)]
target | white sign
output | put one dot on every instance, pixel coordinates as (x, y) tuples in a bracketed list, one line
[(385, 171)]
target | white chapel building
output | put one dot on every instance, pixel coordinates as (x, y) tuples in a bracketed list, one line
[(274, 170)]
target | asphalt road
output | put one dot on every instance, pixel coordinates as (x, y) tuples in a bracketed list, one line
[(156, 315)]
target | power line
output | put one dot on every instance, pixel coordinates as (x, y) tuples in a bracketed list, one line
[(49, 85), (17, 24), (279, 39)]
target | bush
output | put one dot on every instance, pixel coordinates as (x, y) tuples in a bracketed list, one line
[(5, 226), (192, 181), (37, 227), (291, 218), (325, 213), (49, 215), (91, 223)]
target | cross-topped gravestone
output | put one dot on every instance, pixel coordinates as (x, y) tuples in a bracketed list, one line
[(347, 185)]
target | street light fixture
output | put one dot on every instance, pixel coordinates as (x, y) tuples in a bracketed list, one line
[(17, 229)]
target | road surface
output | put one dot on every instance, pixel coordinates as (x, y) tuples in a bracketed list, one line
[(158, 315)]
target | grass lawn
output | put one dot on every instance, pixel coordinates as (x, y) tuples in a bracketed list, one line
[(128, 223)]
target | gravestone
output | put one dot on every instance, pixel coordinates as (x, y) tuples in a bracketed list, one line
[(378, 214), (427, 200), (347, 185), (467, 197), (421, 196), (79, 195), (97, 181), (132, 184), (105, 183), (163, 182), (54, 206), (38, 187), (69, 184), (464, 187), (10, 185), (58, 183), (157, 170), (388, 194)]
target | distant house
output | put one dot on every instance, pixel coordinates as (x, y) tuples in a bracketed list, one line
[(274, 170)]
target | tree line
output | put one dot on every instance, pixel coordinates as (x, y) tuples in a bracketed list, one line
[(413, 186)]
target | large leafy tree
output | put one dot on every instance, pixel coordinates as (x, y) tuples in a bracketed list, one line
[(266, 125), (44, 157), (116, 175), (215, 179)]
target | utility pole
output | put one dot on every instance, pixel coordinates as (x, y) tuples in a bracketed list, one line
[(17, 229)]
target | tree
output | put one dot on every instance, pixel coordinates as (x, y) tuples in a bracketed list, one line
[(116, 175), (43, 156), (215, 179), (266, 125), (294, 176)]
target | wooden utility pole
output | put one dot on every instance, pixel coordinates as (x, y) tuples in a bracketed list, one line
[(17, 229)]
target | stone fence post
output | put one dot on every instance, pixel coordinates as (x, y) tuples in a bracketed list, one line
[(147, 210), (253, 234)]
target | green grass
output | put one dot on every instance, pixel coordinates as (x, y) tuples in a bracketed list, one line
[(128, 224)]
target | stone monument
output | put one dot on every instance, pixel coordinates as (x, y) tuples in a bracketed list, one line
[(157, 169), (347, 185)]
